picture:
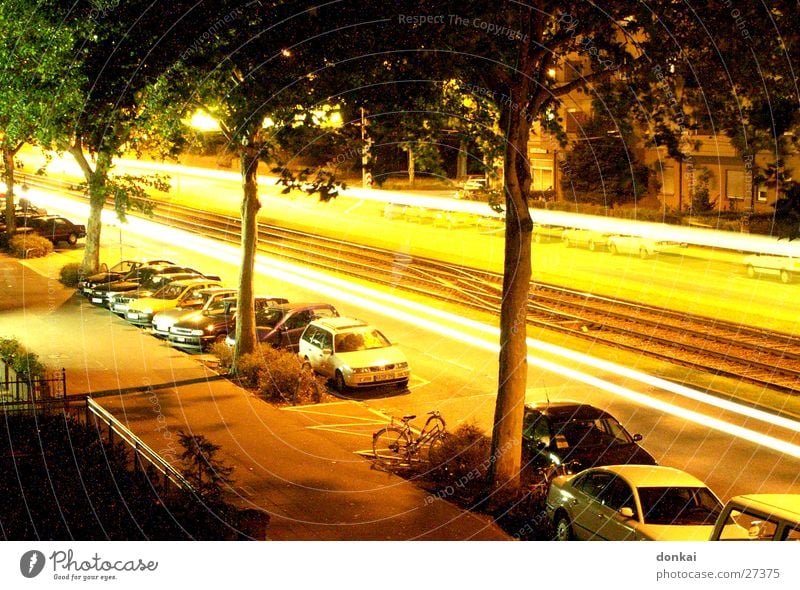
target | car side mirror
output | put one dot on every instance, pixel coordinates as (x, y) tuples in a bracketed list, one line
[(626, 512), (327, 351), (637, 437)]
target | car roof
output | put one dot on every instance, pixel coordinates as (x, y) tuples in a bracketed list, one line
[(786, 506), (565, 410), (340, 323), (653, 476), (190, 282), (218, 289), (296, 306)]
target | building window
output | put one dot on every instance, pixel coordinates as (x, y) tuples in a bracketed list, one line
[(576, 119), (734, 184), (761, 193)]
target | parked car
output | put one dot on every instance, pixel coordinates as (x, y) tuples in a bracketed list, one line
[(585, 238), (784, 267), (547, 233), (759, 517), (644, 247), (184, 292), (472, 188), (564, 432), (632, 503), (164, 320), (115, 273), (282, 325), (55, 228), (352, 353), (198, 331)]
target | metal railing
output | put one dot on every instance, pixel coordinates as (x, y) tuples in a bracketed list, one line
[(144, 458)]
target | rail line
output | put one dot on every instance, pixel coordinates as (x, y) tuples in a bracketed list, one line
[(754, 355)]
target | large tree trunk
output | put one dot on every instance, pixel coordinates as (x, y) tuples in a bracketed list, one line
[(96, 181), (513, 370), (245, 314), (8, 177)]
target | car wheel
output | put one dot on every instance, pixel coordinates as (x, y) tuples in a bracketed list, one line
[(786, 277), (643, 253), (751, 271), (537, 238), (563, 528), (592, 246), (72, 239), (613, 248), (338, 381)]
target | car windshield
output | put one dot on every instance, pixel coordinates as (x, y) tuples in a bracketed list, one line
[(599, 432), (364, 339), (170, 291), (679, 506)]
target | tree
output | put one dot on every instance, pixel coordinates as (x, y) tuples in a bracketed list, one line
[(37, 80), (122, 56), (207, 474)]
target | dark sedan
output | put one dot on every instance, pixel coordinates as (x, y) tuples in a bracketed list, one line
[(580, 434), (115, 273), (55, 228)]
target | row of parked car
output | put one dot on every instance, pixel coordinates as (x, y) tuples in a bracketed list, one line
[(617, 491), (597, 241), (192, 311)]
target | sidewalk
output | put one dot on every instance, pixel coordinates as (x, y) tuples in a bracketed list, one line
[(309, 479)]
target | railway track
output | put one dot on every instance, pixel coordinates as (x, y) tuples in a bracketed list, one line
[(758, 356)]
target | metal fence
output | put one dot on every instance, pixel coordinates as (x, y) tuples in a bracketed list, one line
[(22, 392)]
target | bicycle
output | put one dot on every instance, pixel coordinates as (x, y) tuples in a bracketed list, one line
[(397, 441), (545, 475)]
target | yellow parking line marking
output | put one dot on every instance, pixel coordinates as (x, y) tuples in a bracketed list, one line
[(343, 424)]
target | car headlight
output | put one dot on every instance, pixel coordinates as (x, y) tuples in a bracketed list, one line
[(359, 369), (146, 311), (197, 332), (403, 365)]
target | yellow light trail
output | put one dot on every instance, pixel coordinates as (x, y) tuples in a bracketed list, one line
[(411, 312)]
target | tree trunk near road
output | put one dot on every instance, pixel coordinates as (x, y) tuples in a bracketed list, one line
[(245, 315), (513, 370), (96, 180), (8, 177)]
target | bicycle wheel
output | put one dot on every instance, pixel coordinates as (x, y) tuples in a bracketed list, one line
[(434, 449), (391, 444)]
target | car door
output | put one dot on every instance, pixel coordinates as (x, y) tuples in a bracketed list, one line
[(595, 509), (293, 325)]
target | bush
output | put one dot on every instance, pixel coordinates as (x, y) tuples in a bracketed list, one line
[(9, 347), (28, 365), (70, 274), (461, 463), (283, 378), (247, 368), (224, 354), (29, 246)]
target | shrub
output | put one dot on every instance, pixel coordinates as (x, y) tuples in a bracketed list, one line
[(224, 354), (29, 246), (70, 274), (248, 367), (283, 378), (27, 365), (9, 347), (461, 463)]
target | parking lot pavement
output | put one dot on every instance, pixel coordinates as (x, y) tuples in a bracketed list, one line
[(301, 465)]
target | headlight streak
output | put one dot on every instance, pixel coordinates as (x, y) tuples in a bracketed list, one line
[(396, 307)]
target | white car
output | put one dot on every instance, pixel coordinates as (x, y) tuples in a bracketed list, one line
[(644, 247), (585, 238), (632, 503), (785, 267), (352, 353)]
